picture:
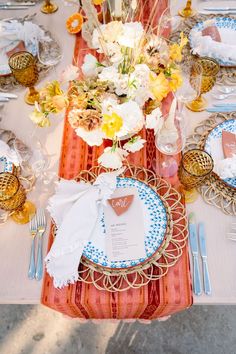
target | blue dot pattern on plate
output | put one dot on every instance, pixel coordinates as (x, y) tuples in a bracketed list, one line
[(154, 230), (229, 126), (219, 22)]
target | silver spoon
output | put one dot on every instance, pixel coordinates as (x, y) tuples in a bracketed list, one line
[(225, 89), (224, 96)]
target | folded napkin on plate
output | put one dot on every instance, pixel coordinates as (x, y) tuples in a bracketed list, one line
[(15, 31), (226, 168), (76, 209), (210, 42), (206, 46), (10, 154)]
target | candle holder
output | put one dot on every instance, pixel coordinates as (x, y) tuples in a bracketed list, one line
[(49, 7), (187, 11), (24, 69)]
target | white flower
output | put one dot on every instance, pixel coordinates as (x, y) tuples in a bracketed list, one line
[(139, 84), (89, 67), (108, 33), (70, 73), (133, 118), (108, 105), (120, 81), (112, 157), (114, 52), (92, 138), (108, 73), (154, 120), (132, 34), (135, 144)]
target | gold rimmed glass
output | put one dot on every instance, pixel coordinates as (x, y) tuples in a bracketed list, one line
[(49, 7), (24, 68), (13, 198), (195, 167), (187, 11), (210, 69)]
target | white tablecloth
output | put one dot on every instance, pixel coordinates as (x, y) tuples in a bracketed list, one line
[(15, 240)]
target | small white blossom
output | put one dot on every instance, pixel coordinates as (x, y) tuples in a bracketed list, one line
[(89, 67), (112, 157), (92, 138), (154, 120), (132, 34), (135, 144), (70, 73)]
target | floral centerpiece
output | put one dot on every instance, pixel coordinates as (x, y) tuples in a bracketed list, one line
[(117, 93)]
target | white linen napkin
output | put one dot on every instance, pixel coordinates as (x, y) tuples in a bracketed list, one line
[(226, 168), (15, 31), (6, 151), (76, 209)]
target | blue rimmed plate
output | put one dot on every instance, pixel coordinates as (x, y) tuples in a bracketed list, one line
[(155, 225), (229, 126), (227, 29)]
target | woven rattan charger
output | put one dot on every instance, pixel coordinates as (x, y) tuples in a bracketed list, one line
[(167, 254)]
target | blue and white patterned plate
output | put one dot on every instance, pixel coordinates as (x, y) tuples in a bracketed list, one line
[(229, 126), (155, 224), (227, 29)]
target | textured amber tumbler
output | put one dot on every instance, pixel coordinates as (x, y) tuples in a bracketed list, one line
[(196, 165), (24, 68), (13, 198)]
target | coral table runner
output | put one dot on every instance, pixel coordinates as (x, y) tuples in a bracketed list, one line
[(170, 294)]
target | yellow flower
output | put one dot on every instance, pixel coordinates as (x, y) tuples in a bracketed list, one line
[(39, 118), (98, 2), (59, 102), (175, 80), (111, 124), (159, 86), (176, 49), (176, 52)]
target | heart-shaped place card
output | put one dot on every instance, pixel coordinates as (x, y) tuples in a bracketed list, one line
[(121, 204), (228, 143)]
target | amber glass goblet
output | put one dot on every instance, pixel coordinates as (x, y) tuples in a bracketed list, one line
[(210, 69), (195, 167), (24, 69), (13, 198), (187, 11), (49, 7)]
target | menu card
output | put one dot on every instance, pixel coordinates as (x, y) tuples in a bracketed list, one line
[(124, 224)]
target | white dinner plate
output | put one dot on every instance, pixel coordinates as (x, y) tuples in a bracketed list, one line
[(155, 225)]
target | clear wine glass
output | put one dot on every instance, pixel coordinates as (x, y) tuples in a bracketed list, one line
[(49, 52), (35, 162), (170, 140), (191, 73)]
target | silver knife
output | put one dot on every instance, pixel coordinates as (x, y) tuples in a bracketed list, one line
[(17, 7), (202, 242), (221, 109), (10, 3), (197, 287), (7, 95), (219, 9), (4, 99)]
